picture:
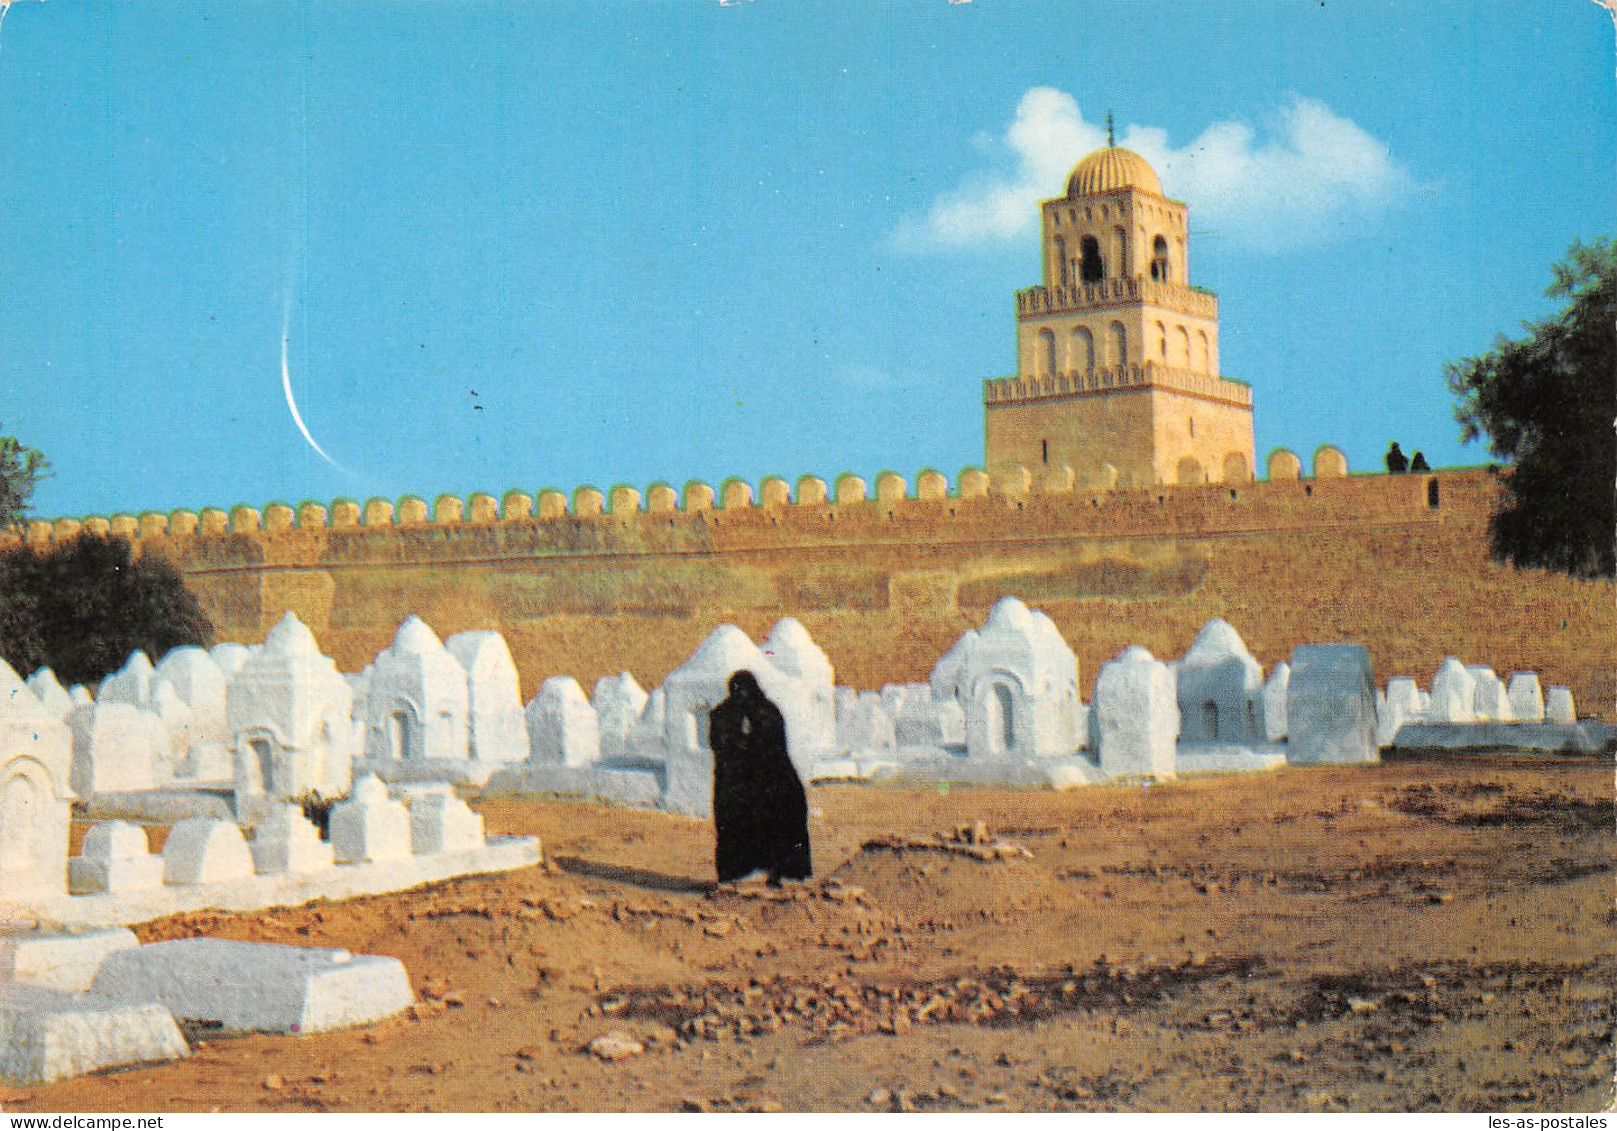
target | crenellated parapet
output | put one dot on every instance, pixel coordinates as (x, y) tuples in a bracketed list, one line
[(1074, 297), (888, 492), (1100, 382)]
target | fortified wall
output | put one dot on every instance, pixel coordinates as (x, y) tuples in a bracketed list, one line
[(886, 579)]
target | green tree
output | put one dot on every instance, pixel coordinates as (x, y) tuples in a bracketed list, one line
[(83, 606), (21, 467), (1546, 404)]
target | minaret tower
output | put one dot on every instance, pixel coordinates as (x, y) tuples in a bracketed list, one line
[(1117, 354)]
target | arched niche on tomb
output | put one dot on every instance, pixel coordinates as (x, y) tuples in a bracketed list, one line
[(33, 829)]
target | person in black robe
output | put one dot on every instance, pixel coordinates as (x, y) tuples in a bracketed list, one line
[(1397, 462), (759, 808), (1419, 463)]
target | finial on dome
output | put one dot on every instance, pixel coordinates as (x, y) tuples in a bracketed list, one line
[(1111, 136)]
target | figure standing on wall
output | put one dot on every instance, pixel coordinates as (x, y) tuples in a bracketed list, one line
[(1419, 463), (1397, 462), (759, 808)]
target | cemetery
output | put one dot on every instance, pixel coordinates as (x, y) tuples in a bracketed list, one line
[(234, 754)]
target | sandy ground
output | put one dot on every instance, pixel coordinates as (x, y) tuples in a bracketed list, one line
[(1431, 934)]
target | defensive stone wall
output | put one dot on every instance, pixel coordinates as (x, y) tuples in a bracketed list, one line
[(886, 575)]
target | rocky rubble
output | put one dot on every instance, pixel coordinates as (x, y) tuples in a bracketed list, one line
[(842, 1007)]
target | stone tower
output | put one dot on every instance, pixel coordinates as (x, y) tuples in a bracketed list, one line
[(1116, 354)]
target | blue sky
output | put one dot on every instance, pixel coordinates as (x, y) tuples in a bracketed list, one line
[(546, 244)]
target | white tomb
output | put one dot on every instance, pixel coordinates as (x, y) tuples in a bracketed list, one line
[(1136, 716), (1017, 682), (1558, 706), (203, 850), (200, 685), (116, 857), (562, 726), (1488, 700), (440, 822), (1454, 691), (258, 987), (1402, 705), (1331, 705), (50, 693), (131, 683), (1526, 697), (118, 747), (618, 703), (498, 732), (36, 760), (48, 1035), (58, 959), (1220, 688), (417, 703), (1274, 702), (647, 738), (290, 718), (370, 827), (864, 727), (285, 842), (807, 704), (690, 692), (919, 721)]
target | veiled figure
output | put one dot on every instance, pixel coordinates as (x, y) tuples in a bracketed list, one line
[(759, 808)]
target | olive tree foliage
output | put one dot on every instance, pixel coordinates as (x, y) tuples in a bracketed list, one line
[(1547, 404), (82, 606), (21, 468)]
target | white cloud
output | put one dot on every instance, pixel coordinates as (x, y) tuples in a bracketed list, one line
[(1309, 175)]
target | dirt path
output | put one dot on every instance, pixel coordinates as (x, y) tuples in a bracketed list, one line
[(1422, 935)]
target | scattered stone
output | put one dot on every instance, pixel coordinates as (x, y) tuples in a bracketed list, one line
[(274, 1082), (614, 1046)]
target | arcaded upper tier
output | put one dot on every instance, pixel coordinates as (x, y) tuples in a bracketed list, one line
[(1107, 170)]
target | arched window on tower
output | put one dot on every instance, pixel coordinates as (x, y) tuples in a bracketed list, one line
[(1044, 362), (1081, 352), (1182, 347), (1162, 342), (1202, 354), (1091, 269), (1159, 259), (1120, 249), (1119, 353), (1061, 259)]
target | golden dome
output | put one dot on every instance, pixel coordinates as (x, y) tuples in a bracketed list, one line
[(1110, 169)]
